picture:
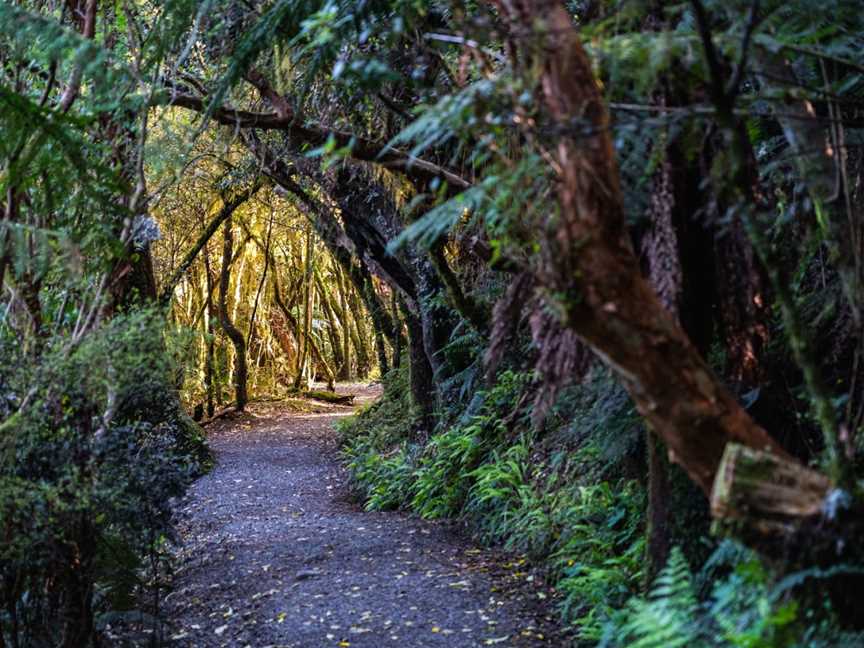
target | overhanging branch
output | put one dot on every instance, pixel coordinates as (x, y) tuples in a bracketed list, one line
[(360, 148)]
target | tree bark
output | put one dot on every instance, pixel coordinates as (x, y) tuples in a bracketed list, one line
[(358, 337), (260, 283), (381, 351), (346, 373), (587, 263), (301, 381), (657, 532), (397, 343), (760, 492)]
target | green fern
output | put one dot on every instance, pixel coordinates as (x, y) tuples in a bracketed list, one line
[(665, 619)]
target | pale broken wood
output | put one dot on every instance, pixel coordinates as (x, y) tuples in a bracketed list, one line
[(760, 491)]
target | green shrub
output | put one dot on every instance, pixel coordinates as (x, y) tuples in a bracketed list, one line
[(743, 610), (92, 453), (443, 475), (601, 551), (387, 478), (386, 422), (506, 505), (375, 445)]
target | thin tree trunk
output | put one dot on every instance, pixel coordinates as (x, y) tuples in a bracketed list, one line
[(384, 326), (332, 234), (260, 283), (332, 328), (397, 338), (381, 351), (301, 379), (233, 333), (210, 338), (317, 353), (346, 374), (358, 336), (228, 208)]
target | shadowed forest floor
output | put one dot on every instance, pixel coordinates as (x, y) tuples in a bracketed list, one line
[(275, 553)]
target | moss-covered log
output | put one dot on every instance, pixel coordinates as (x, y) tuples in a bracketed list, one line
[(330, 397), (760, 493)]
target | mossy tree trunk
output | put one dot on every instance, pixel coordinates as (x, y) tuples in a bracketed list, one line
[(304, 369), (397, 328), (345, 374), (421, 375), (332, 326), (358, 336)]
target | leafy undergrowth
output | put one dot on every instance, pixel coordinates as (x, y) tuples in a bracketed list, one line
[(565, 500), (744, 608), (585, 532), (90, 460)]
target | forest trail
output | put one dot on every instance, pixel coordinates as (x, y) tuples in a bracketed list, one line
[(275, 553)]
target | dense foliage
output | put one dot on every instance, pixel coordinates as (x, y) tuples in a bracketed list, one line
[(607, 254)]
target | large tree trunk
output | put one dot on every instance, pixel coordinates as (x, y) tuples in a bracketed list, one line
[(421, 376), (587, 262), (233, 333)]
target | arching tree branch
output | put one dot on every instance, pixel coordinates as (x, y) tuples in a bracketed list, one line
[(360, 148), (228, 208)]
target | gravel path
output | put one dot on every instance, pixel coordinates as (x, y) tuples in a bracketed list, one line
[(275, 553)]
